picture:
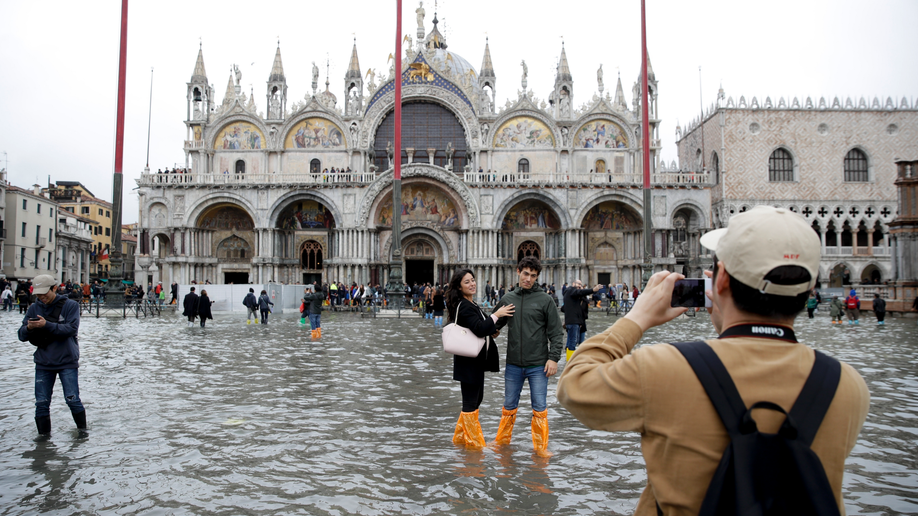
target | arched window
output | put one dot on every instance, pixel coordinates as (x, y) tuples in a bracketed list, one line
[(315, 166), (523, 166), (528, 248), (715, 167), (679, 225), (240, 166), (311, 258), (234, 249), (600, 166), (856, 166), (605, 254), (780, 166)]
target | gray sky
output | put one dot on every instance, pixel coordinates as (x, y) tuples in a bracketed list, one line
[(59, 63)]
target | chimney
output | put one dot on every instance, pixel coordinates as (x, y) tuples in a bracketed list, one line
[(36, 189)]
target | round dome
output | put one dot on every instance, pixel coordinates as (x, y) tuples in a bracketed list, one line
[(460, 71)]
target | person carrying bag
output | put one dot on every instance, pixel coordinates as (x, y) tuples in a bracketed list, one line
[(474, 329)]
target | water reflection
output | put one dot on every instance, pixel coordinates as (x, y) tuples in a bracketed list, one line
[(234, 418)]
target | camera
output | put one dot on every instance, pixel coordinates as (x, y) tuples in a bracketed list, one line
[(689, 293)]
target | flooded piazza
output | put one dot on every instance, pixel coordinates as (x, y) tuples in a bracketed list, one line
[(237, 419)]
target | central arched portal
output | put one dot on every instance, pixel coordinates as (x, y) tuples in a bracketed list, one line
[(227, 233), (303, 238), (432, 132)]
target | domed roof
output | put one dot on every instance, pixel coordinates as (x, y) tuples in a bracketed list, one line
[(460, 71)]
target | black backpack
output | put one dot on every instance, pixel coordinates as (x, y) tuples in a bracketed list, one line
[(767, 474), (41, 337)]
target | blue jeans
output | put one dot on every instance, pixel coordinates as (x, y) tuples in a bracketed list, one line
[(514, 376), (44, 387), (314, 321), (573, 336)]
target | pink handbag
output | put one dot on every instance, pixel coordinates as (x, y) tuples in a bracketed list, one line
[(461, 341)]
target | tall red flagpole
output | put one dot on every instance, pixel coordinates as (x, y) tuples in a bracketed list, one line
[(647, 266), (116, 261), (395, 287)]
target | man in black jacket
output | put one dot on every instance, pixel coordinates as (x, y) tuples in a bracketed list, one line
[(879, 308), (191, 306), (574, 316)]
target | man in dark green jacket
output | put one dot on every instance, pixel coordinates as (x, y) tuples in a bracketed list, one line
[(529, 356)]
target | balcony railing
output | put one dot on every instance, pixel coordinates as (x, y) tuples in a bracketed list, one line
[(605, 178), (849, 251), (192, 179)]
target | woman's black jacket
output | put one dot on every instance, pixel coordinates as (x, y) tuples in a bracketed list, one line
[(472, 369)]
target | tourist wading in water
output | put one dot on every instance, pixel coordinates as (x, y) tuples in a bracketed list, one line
[(529, 356), (470, 371)]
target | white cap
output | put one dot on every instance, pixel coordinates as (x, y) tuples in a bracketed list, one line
[(763, 239), (42, 284)]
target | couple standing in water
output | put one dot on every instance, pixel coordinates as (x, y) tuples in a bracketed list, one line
[(532, 322)]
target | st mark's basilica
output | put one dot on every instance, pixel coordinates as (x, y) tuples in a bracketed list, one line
[(303, 192)]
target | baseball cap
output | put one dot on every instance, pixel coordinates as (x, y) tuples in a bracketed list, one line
[(762, 239), (41, 284)]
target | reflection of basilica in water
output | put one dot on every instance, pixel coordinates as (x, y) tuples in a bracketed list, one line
[(304, 192)]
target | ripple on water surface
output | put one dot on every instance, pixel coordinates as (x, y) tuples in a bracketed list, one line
[(255, 419)]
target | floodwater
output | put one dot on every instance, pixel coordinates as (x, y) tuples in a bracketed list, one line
[(237, 419)]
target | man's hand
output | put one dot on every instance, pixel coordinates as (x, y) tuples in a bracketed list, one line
[(597, 287), (551, 368), (40, 323), (496, 334), (716, 317), (652, 307)]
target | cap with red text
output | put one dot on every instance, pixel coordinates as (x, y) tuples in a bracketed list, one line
[(758, 241)]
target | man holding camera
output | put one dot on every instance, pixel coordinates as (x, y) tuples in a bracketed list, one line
[(766, 262), (51, 325)]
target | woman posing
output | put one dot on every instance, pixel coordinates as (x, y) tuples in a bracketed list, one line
[(469, 371)]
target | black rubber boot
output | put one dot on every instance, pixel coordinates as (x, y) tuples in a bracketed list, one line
[(44, 425), (80, 419)]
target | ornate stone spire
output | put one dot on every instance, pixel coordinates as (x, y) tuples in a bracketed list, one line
[(620, 94), (487, 68), (564, 70), (230, 94), (277, 71), (353, 70), (199, 75)]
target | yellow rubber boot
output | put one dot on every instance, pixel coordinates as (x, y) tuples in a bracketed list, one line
[(505, 430), (540, 433), (320, 332), (248, 321), (569, 353)]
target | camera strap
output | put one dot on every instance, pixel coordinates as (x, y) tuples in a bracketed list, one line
[(762, 331)]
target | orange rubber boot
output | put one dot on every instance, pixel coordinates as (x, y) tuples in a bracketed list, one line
[(468, 431), (540, 433), (505, 430)]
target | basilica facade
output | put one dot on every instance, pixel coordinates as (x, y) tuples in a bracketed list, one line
[(303, 192)]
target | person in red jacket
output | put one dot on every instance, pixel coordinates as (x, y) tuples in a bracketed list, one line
[(853, 307)]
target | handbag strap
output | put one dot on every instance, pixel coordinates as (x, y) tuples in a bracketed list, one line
[(456, 319)]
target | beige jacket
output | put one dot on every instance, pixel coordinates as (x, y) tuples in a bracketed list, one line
[(655, 392)]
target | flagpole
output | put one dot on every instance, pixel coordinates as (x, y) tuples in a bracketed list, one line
[(395, 287), (647, 266), (116, 274)]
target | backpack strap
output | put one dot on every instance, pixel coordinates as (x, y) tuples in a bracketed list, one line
[(717, 383), (815, 397)]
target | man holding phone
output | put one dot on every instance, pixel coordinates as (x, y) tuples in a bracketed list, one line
[(51, 325), (766, 262)]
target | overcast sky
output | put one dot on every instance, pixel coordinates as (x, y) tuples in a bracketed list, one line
[(59, 61)]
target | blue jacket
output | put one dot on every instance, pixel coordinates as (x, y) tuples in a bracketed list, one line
[(64, 352), (263, 302), (250, 301)]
